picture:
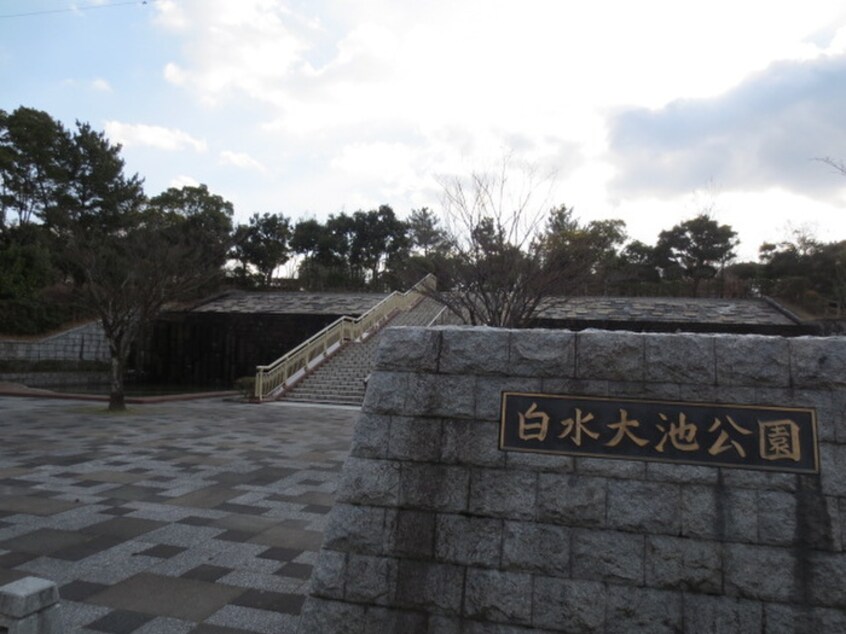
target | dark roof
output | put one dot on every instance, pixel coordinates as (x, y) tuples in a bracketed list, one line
[(292, 303), (669, 314)]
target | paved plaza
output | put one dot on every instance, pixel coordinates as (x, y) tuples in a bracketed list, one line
[(195, 516)]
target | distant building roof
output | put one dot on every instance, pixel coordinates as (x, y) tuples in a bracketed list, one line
[(669, 314), (292, 303)]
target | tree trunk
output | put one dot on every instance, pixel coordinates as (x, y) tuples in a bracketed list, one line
[(117, 402)]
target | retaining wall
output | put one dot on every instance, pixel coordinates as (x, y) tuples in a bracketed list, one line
[(83, 343), (436, 529)]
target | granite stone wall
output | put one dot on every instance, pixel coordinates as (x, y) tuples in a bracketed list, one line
[(437, 530), (83, 343)]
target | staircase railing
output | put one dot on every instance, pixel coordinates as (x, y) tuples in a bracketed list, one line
[(270, 377)]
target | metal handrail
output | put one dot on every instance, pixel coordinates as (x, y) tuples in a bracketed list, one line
[(269, 377)]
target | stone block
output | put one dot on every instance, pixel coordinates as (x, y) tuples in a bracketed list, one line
[(327, 578), (417, 439), (433, 587), (19, 599), (612, 468), (763, 573), (489, 394), (568, 605), (471, 443), (572, 500), (468, 540), (632, 610), (776, 518), (680, 473), (501, 597), (410, 533), (370, 579), (542, 353), (645, 390), (441, 396), (433, 487), (718, 394), (720, 513), (838, 416), (386, 393), (680, 358), (614, 356), (474, 350), (759, 480), (388, 620), (574, 387), (675, 563), (366, 481), (611, 556), (833, 469), (358, 529), (821, 400), (530, 461), (324, 615), (817, 362), (408, 348), (752, 360), (371, 435), (826, 583), (789, 619), (651, 507), (536, 548), (705, 614), (503, 493)]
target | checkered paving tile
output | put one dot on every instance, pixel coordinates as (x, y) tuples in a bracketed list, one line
[(198, 517)]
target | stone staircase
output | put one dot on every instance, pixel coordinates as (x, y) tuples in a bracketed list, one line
[(340, 378)]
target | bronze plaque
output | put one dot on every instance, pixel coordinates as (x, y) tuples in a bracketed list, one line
[(745, 436)]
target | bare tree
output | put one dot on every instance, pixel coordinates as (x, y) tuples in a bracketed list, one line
[(494, 222), (838, 166)]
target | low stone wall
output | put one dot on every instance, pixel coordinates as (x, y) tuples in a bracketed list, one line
[(436, 529), (83, 343)]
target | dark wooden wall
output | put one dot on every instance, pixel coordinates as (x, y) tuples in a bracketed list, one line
[(214, 349)]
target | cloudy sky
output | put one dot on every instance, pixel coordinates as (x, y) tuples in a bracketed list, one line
[(648, 111)]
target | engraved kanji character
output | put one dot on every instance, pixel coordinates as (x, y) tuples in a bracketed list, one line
[(681, 434), (536, 430), (779, 440), (624, 428), (721, 443), (574, 427)]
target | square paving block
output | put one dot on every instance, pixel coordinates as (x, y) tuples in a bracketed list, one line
[(44, 541), (290, 538), (79, 590), (206, 498), (176, 597), (163, 551), (33, 505), (135, 493), (206, 572), (120, 622), (295, 571), (81, 551), (125, 527), (118, 477), (247, 523)]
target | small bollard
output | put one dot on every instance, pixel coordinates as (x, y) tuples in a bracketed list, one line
[(30, 606)]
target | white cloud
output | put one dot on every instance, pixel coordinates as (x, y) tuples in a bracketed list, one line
[(101, 85), (184, 181), (139, 134), (242, 160)]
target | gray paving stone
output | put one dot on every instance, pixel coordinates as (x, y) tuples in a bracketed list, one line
[(111, 506)]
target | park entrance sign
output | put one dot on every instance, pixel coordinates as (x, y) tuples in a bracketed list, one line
[(742, 436), (554, 482)]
